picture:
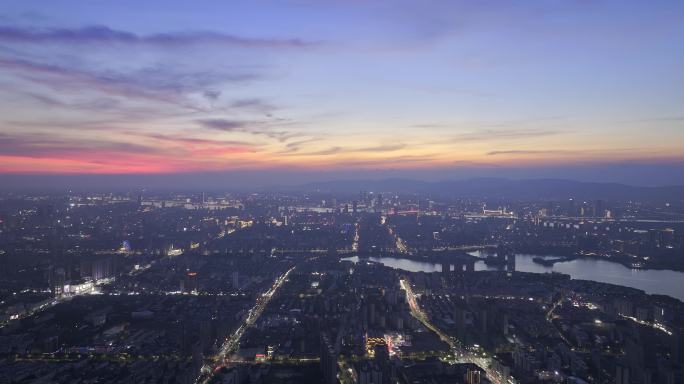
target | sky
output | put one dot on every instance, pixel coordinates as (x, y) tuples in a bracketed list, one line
[(294, 91)]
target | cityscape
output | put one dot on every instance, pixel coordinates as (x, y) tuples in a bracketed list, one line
[(322, 287), (342, 192)]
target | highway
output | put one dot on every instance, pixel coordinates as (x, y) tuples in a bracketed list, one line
[(463, 356)]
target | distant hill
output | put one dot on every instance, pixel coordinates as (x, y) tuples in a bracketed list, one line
[(503, 188)]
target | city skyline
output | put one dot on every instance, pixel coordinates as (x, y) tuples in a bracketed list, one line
[(292, 92)]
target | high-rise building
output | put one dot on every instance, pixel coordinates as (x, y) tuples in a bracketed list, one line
[(571, 210), (369, 373), (189, 283), (328, 360), (98, 269), (510, 262), (57, 280), (599, 210), (473, 376), (621, 373), (4, 261), (235, 279)]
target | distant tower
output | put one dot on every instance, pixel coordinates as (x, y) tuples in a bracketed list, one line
[(571, 211), (599, 211)]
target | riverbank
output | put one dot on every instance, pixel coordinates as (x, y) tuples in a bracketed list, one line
[(624, 260), (660, 282), (564, 254)]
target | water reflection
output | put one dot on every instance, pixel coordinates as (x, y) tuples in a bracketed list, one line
[(652, 281)]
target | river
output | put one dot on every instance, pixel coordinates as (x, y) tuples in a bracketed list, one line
[(651, 281)]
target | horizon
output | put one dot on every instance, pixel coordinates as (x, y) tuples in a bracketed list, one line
[(189, 183)]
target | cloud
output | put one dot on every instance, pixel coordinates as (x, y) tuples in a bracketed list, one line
[(473, 164), (427, 125), (211, 95), (105, 35), (603, 152), (40, 145), (46, 100), (252, 127), (296, 146), (60, 69), (149, 153), (94, 104), (254, 104), (661, 119), (251, 103), (490, 134), (226, 125), (162, 84), (293, 149), (519, 152), (324, 152), (382, 148), (176, 139)]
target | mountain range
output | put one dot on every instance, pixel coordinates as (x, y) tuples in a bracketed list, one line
[(495, 188)]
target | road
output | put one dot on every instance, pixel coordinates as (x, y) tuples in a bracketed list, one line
[(550, 316), (233, 341), (464, 356)]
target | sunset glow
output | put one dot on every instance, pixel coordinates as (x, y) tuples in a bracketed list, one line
[(168, 87)]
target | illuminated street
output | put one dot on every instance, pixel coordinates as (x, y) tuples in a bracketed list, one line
[(463, 356), (233, 342)]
